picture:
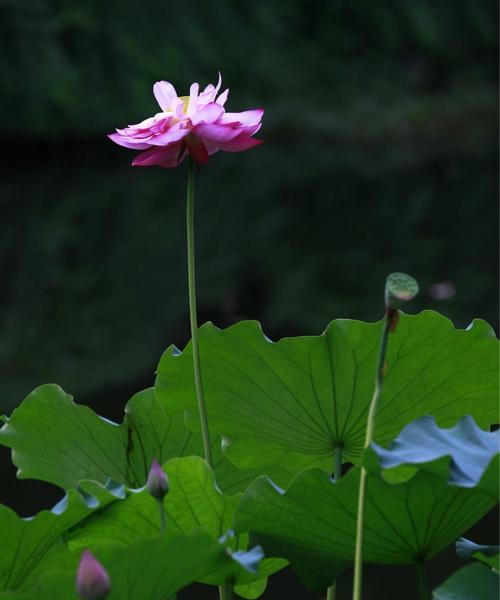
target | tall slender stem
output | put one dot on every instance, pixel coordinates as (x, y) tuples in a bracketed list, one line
[(225, 592), (370, 425), (337, 474), (163, 528), (423, 586), (163, 516), (192, 312)]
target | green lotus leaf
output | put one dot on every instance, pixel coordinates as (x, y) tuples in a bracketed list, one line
[(31, 546), (154, 569), (251, 590), (473, 582), (489, 555), (194, 502), (76, 444), (294, 401), (422, 443), (313, 522)]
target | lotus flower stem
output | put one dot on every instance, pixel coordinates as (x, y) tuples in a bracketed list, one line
[(337, 474), (225, 592), (192, 313), (399, 289)]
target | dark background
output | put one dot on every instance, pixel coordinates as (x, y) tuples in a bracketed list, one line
[(380, 155)]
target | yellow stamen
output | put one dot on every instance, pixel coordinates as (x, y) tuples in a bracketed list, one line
[(185, 101)]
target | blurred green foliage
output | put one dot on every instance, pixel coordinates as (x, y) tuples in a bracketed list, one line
[(380, 155), (77, 68), (93, 256)]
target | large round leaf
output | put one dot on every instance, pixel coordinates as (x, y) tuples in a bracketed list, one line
[(292, 402), (313, 523), (194, 502), (56, 440), (473, 582), (487, 554), (30, 546), (422, 443), (154, 569)]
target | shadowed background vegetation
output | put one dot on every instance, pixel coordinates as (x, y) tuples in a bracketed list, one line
[(380, 155)]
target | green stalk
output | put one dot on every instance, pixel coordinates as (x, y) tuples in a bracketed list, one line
[(337, 474), (225, 592), (370, 425), (163, 527), (423, 586), (163, 516), (192, 313)]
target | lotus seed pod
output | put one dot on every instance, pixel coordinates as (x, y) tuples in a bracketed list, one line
[(157, 483), (399, 288), (92, 579)]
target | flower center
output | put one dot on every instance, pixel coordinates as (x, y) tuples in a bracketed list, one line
[(185, 102)]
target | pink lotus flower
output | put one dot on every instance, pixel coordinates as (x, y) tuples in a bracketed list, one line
[(196, 124)]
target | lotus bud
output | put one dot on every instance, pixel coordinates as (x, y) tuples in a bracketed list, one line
[(92, 579), (157, 483)]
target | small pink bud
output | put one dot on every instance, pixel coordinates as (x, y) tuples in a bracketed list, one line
[(92, 580), (157, 482)]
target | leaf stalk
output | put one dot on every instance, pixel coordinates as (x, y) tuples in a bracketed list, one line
[(163, 516), (337, 474), (423, 585), (226, 592), (389, 321)]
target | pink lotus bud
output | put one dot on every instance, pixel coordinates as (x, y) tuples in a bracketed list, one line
[(157, 482), (92, 580)]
